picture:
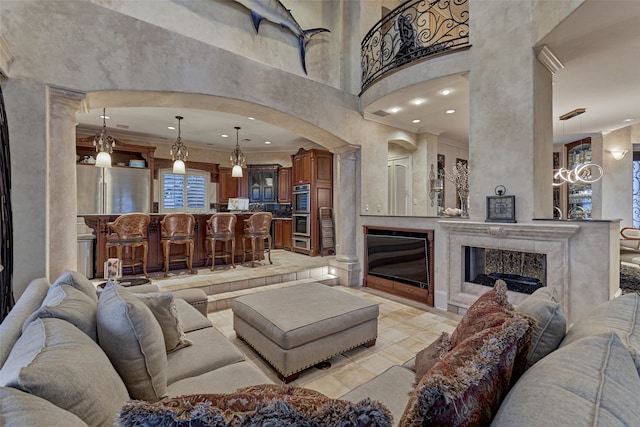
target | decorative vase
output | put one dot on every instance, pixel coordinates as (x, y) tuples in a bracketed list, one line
[(464, 206)]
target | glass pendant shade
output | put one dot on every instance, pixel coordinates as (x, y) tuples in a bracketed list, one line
[(104, 144), (179, 167), (237, 158), (179, 152), (103, 160)]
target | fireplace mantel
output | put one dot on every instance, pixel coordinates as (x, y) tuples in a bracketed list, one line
[(578, 254)]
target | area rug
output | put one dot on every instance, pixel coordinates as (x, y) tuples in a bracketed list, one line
[(629, 279)]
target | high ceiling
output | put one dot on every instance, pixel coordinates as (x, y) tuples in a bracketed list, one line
[(599, 46)]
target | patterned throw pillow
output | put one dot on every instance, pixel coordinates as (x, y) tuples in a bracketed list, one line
[(431, 354), (266, 404), (490, 310), (466, 387)]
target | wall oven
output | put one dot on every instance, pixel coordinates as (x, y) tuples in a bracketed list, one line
[(301, 225), (303, 243), (301, 201)]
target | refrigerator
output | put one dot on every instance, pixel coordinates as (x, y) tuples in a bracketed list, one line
[(116, 190)]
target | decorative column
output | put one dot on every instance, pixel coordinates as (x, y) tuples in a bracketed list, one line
[(61, 179), (346, 265)]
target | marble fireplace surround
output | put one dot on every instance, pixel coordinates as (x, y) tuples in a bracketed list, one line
[(553, 240)]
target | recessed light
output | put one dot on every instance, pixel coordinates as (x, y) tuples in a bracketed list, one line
[(102, 116), (267, 142), (415, 121), (394, 110), (224, 135), (628, 120), (445, 92), (418, 101), (171, 127), (450, 111), (250, 118)]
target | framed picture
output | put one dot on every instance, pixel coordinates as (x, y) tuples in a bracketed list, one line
[(501, 209), (112, 269)]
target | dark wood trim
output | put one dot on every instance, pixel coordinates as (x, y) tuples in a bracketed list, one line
[(212, 168)]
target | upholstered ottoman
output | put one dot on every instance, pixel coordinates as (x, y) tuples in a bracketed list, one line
[(299, 326)]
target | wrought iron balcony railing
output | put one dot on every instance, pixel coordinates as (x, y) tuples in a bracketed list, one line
[(415, 30)]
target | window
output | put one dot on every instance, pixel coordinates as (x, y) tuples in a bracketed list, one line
[(183, 192)]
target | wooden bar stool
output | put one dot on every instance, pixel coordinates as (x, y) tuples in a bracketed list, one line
[(178, 229), (221, 227), (130, 232), (257, 227)]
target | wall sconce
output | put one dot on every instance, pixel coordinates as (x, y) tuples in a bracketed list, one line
[(435, 185), (618, 154)]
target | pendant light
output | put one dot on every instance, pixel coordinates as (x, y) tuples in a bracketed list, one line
[(104, 144), (179, 152), (237, 158)]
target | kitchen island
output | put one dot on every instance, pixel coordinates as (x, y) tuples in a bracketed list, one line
[(155, 261)]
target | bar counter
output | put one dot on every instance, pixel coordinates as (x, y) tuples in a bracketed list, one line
[(155, 260)]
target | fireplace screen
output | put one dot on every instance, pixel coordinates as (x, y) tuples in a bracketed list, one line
[(523, 272)]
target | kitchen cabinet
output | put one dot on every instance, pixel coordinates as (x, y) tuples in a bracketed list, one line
[(263, 184), (231, 187), (282, 233), (302, 167), (284, 185)]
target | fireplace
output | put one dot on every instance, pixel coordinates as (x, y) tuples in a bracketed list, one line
[(523, 272)]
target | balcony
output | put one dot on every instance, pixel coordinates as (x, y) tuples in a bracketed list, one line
[(415, 31)]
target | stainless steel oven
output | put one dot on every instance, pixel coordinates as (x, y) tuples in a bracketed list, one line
[(301, 225), (303, 243), (301, 201)]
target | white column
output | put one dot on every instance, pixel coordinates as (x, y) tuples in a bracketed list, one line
[(61, 179), (346, 265)]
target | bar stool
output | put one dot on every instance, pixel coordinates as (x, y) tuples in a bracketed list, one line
[(130, 232), (221, 227), (178, 229), (257, 227)]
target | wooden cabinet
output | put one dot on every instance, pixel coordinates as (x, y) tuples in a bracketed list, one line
[(314, 167), (122, 153), (263, 184), (282, 234), (302, 167), (284, 185), (231, 187)]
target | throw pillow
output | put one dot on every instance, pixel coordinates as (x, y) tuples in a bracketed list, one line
[(466, 387), (431, 354), (491, 309), (54, 360), (164, 310), (256, 406), (25, 409), (132, 339), (551, 327), (78, 281), (68, 303)]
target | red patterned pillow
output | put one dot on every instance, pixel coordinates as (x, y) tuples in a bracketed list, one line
[(491, 309), (466, 387)]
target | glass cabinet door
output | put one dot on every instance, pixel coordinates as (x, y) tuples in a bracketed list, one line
[(578, 193)]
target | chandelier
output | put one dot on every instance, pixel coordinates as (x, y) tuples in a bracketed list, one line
[(104, 144), (179, 152), (237, 158)]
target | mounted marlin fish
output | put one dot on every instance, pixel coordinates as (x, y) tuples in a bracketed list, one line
[(274, 11)]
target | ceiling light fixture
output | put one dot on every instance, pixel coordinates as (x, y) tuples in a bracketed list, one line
[(628, 120), (237, 158), (267, 142), (415, 121), (584, 171), (450, 111), (445, 92), (394, 110), (418, 101), (179, 152), (572, 114), (104, 144)]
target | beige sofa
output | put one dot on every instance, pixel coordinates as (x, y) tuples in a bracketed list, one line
[(71, 359), (586, 377)]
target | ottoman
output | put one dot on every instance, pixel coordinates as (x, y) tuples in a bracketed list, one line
[(299, 326)]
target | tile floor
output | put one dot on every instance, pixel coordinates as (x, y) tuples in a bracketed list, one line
[(404, 327)]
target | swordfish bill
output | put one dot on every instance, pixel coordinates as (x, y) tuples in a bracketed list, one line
[(274, 11)]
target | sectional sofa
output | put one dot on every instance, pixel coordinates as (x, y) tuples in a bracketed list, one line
[(503, 366)]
